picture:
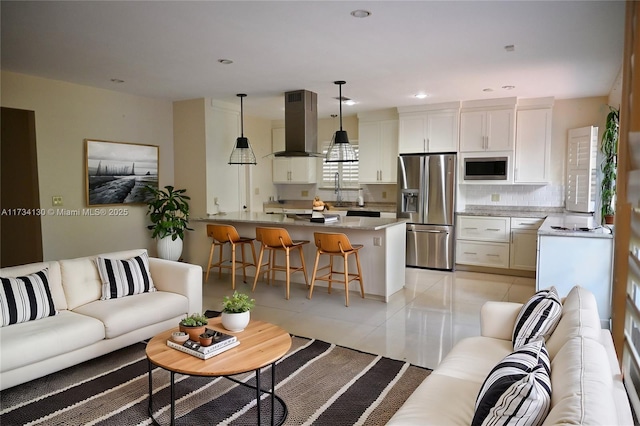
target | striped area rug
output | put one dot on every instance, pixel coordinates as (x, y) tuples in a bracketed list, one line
[(322, 384)]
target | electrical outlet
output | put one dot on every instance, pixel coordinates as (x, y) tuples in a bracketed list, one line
[(215, 200), (305, 193), (377, 241), (256, 191), (495, 197), (56, 200), (384, 194)]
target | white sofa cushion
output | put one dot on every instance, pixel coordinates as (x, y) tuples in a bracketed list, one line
[(26, 298), (80, 278), (517, 390), (538, 317), (582, 385), (30, 342), (124, 277), (126, 314), (55, 279)]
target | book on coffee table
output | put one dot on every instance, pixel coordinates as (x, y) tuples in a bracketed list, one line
[(188, 349)]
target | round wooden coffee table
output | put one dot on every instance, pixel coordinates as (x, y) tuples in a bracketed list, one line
[(261, 344)]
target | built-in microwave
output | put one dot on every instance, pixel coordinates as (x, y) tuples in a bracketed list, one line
[(486, 168)]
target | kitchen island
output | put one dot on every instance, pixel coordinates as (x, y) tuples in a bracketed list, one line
[(382, 258)]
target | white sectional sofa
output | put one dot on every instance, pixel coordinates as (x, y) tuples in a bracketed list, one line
[(85, 326), (586, 383)]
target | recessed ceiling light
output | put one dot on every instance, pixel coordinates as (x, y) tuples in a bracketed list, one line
[(117, 80), (510, 47), (508, 87), (360, 13), (346, 101), (488, 89), (225, 61), (421, 95)]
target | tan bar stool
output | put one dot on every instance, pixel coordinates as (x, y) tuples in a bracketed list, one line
[(278, 239), (336, 244), (269, 274), (223, 234)]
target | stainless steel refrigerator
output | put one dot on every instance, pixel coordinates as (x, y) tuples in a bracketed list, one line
[(426, 196)]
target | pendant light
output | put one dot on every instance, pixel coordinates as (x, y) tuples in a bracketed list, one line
[(242, 152), (340, 150)]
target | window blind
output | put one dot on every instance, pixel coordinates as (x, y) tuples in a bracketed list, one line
[(631, 352), (348, 171)]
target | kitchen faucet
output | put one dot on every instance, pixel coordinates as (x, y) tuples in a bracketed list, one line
[(336, 188)]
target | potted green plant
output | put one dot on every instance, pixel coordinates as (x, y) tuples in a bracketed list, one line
[(236, 311), (609, 148), (194, 325), (169, 214)]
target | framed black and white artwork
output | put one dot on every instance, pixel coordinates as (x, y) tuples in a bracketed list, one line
[(118, 172)]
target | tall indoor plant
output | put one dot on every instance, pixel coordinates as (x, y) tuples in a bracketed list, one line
[(609, 148), (169, 214)]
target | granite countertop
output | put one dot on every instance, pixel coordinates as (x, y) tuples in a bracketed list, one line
[(573, 225), (280, 219), (511, 211), (307, 204)]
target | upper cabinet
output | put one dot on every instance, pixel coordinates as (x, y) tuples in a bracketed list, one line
[(291, 170), (377, 147), (429, 128), (533, 143), (488, 125)]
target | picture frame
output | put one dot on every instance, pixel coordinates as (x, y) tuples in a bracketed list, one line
[(117, 173)]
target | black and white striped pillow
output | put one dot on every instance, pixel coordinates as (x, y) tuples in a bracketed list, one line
[(26, 298), (518, 389), (538, 317), (124, 277)]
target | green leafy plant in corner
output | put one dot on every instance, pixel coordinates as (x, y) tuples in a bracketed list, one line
[(609, 148), (237, 303), (169, 212), (195, 320)]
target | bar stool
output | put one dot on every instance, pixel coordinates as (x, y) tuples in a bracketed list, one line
[(223, 234), (268, 272), (279, 239), (336, 244)]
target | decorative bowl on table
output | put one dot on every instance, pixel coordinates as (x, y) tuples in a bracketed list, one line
[(179, 336)]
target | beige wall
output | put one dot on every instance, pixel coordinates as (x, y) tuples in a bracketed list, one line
[(65, 115)]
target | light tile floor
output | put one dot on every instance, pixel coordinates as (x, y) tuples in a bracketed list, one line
[(420, 324)]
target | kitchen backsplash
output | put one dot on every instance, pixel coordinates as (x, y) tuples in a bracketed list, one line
[(371, 193), (513, 195)]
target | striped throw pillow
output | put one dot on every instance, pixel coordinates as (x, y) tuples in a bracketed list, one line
[(124, 277), (26, 298), (538, 317), (518, 389)]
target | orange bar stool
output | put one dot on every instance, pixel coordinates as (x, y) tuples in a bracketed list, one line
[(227, 234), (336, 244), (278, 239), (268, 272)]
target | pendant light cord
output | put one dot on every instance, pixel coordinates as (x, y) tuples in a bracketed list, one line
[(340, 100), (241, 118)]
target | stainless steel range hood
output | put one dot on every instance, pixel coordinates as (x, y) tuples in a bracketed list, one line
[(301, 125)]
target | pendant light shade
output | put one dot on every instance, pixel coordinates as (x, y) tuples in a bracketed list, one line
[(340, 150), (242, 152)]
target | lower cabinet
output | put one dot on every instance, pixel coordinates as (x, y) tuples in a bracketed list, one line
[(523, 250), (482, 253)]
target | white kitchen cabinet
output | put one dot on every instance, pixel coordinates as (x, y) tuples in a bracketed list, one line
[(533, 146), (291, 170), (377, 151), (483, 241), (524, 241), (429, 130), (487, 130)]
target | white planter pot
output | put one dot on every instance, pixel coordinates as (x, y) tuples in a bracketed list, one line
[(235, 322), (169, 249)]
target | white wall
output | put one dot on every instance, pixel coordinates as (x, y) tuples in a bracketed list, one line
[(65, 115)]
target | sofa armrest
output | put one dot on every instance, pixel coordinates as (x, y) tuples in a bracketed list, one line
[(178, 277), (497, 319)]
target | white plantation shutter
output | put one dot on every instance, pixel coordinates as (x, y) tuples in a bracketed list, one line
[(348, 171), (581, 169), (631, 352)]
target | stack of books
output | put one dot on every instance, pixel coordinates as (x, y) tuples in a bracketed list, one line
[(221, 343)]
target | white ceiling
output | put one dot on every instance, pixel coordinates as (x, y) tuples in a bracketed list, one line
[(451, 50)]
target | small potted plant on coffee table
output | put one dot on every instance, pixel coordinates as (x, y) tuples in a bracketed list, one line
[(236, 311), (194, 325)]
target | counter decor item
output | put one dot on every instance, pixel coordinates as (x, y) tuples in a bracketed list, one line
[(194, 325), (169, 214), (236, 311), (179, 336), (609, 148), (318, 205)]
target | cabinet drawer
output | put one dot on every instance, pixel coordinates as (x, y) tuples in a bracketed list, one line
[(494, 255), (479, 228), (526, 223)]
